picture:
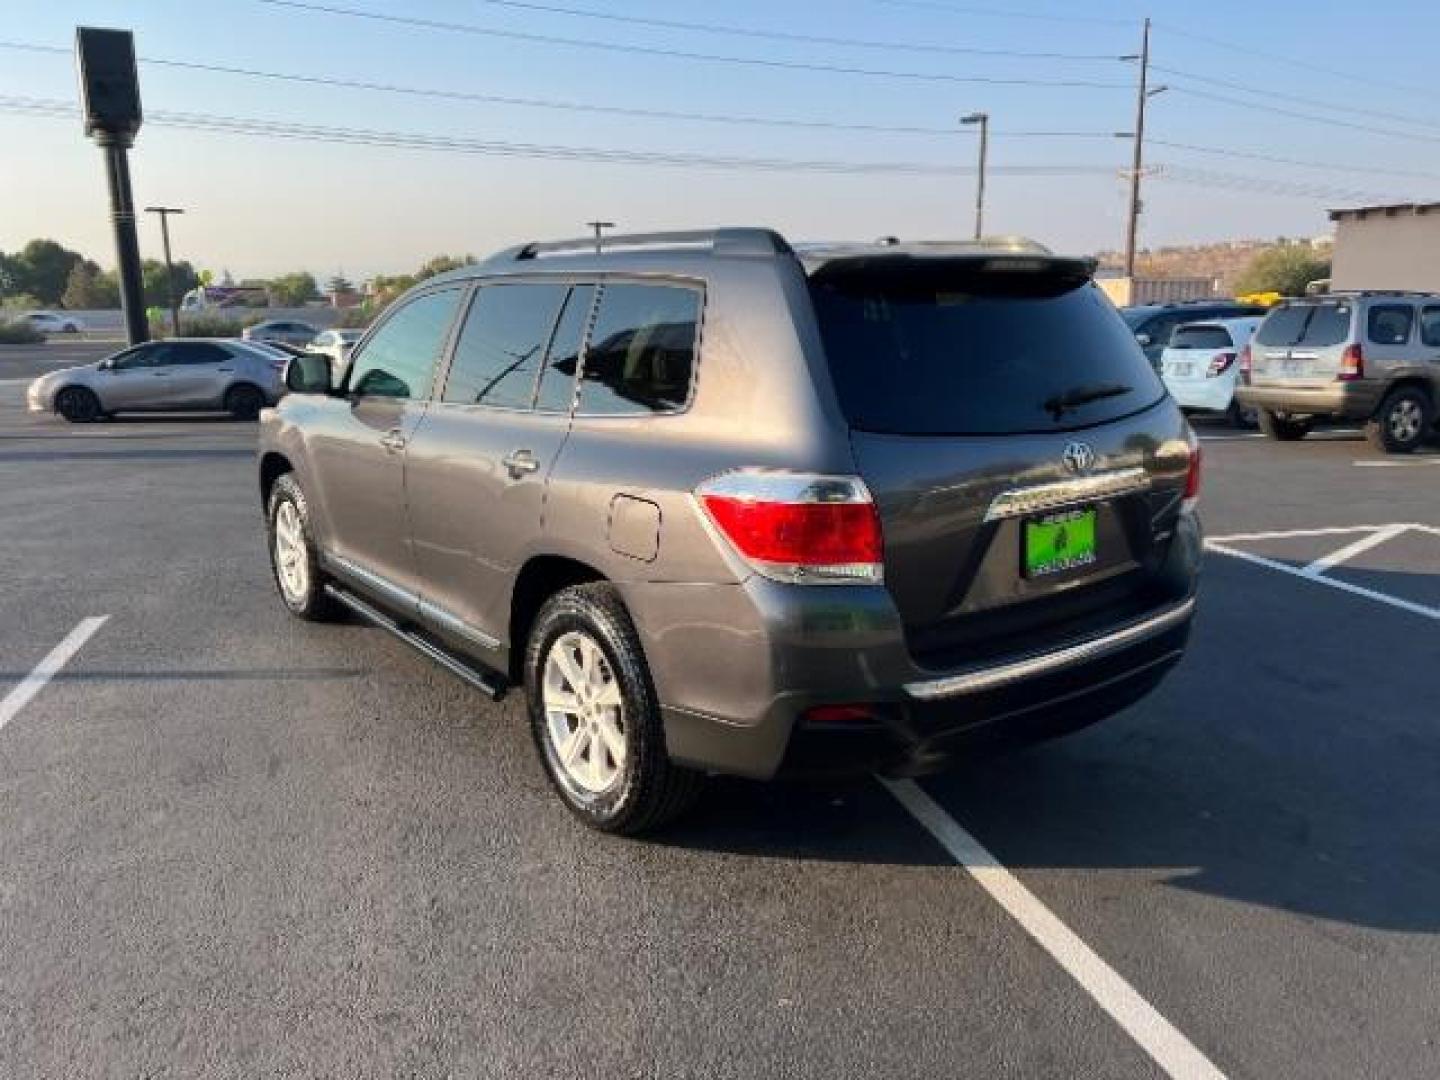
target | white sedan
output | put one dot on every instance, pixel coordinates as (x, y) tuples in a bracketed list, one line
[(48, 322), (336, 344), (1201, 366)]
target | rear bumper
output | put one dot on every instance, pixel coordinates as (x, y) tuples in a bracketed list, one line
[(1208, 394), (1343, 400), (738, 667)]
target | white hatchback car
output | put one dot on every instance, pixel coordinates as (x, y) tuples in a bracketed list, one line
[(48, 322), (1201, 366)]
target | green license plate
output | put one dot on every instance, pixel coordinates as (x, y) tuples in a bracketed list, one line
[(1059, 542)]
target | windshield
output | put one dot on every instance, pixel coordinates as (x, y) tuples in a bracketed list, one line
[(1200, 337), (1311, 325), (1136, 317), (954, 349)]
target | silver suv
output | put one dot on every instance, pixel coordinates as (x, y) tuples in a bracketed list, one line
[(1371, 357), (722, 506)]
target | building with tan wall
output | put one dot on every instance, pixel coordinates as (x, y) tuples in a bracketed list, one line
[(1387, 247)]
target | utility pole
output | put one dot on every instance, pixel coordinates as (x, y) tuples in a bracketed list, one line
[(165, 212), (983, 119), (600, 227), (1137, 163)]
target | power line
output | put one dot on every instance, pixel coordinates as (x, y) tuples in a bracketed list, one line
[(949, 132), (253, 126), (1369, 129), (1278, 95), (678, 54), (1328, 166), (414, 141), (1330, 71), (996, 13), (788, 36)]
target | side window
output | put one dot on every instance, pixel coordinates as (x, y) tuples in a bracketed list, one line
[(1430, 326), (502, 345), (642, 350), (557, 381), (400, 357), (193, 354), (1390, 323), (147, 356)]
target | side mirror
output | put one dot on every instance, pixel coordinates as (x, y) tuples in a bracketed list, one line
[(308, 374), (1145, 340)]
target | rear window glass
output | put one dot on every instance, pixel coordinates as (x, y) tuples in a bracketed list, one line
[(946, 349), (1313, 325), (1200, 337), (1390, 323), (642, 350)]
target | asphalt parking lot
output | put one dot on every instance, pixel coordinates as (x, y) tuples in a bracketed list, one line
[(239, 845)]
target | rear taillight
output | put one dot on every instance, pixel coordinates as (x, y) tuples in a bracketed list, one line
[(1192, 475), (1220, 363), (1247, 365), (797, 527), (1352, 364)]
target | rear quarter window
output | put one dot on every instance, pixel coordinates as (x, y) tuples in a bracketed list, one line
[(954, 350), (1389, 324)]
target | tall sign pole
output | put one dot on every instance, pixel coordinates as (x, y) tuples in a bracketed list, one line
[(110, 95), (1137, 163)]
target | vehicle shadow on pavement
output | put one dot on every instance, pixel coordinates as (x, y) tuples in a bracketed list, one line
[(1279, 766)]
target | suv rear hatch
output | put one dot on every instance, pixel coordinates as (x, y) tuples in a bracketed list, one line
[(1302, 344), (1025, 460)]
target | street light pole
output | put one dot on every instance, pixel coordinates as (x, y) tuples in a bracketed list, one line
[(983, 119), (165, 212), (600, 227)]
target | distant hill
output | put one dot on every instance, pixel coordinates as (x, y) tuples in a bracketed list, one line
[(1222, 261)]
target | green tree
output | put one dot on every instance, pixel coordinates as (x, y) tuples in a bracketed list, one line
[(339, 285), (9, 283), (157, 290), (293, 290), (42, 269), (1285, 269), (439, 264), (89, 288)]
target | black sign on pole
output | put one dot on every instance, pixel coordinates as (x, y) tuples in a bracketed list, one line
[(110, 95)]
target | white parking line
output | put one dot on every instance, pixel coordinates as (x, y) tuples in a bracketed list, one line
[(1170, 1049), (1356, 547), (1320, 579), (1409, 464), (1338, 530), (33, 683)]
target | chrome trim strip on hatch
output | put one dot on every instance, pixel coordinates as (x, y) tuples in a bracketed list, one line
[(1017, 502), (988, 678)]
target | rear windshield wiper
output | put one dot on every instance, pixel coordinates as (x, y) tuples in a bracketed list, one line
[(1060, 404)]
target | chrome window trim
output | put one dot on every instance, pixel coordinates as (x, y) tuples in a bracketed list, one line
[(1018, 502), (989, 678)]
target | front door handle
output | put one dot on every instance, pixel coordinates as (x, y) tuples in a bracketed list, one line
[(393, 440), (520, 462)]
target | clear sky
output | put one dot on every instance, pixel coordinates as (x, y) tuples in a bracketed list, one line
[(260, 205)]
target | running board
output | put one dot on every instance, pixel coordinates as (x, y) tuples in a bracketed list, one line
[(487, 682)]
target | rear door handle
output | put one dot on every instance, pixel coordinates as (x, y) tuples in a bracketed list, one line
[(393, 440), (520, 462)]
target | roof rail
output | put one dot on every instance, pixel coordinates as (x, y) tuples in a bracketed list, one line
[(734, 241)]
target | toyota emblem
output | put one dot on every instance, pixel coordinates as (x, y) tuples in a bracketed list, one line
[(1079, 457)]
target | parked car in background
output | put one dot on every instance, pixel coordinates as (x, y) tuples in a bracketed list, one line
[(1201, 366), (1152, 324), (181, 374), (1372, 357), (336, 344), (282, 330), (48, 322), (720, 505)]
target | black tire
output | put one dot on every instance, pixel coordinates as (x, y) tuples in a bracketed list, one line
[(243, 401), (1282, 428), (649, 789), (1239, 416), (78, 405), (1402, 422), (311, 603)]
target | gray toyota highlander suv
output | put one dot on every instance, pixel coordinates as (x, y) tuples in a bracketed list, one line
[(726, 506)]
